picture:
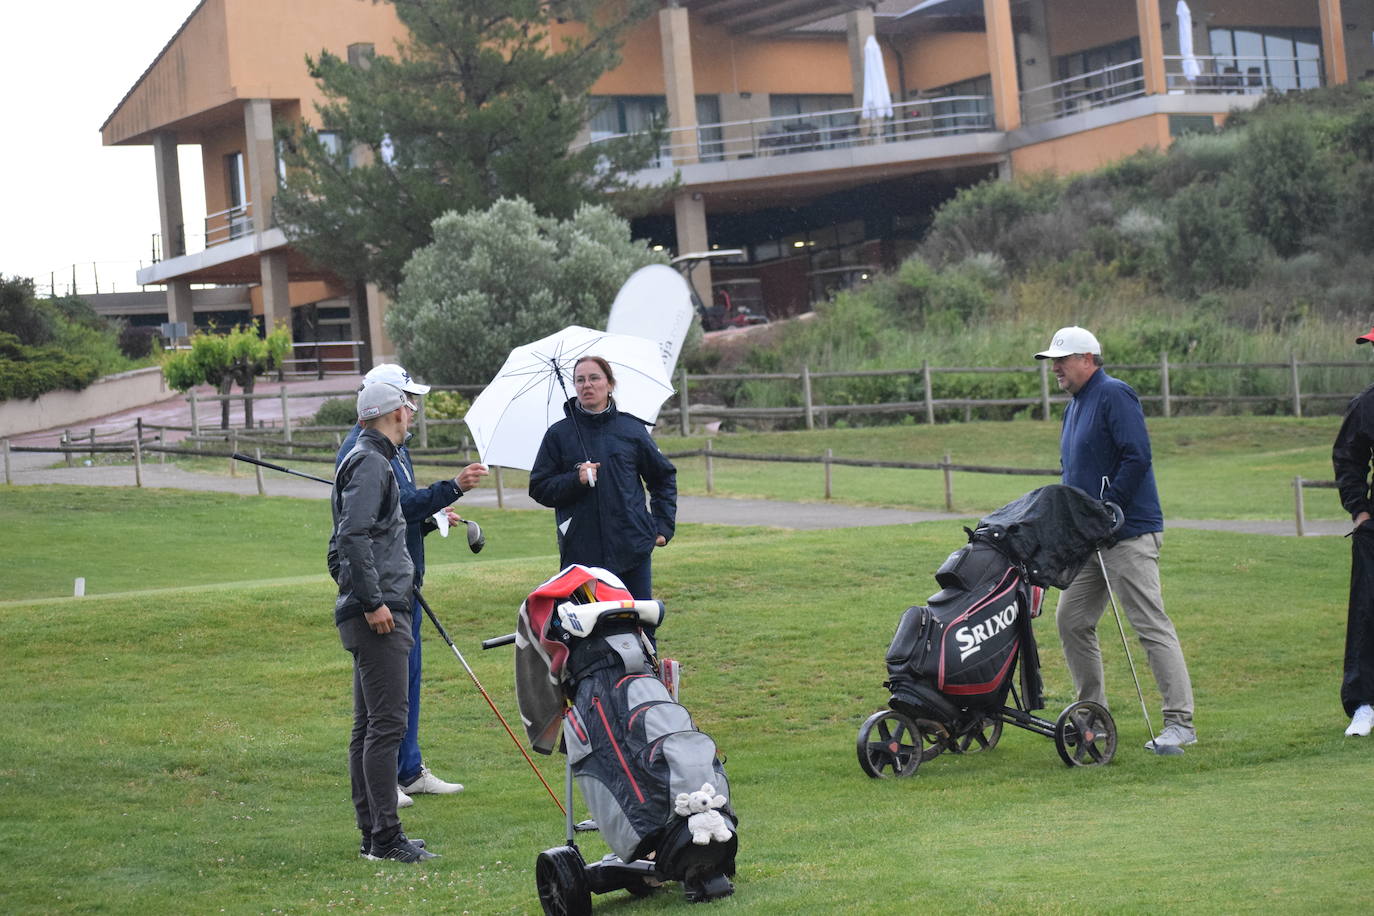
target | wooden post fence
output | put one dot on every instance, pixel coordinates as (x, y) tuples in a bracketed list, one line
[(233, 447), (710, 469), (500, 488), (684, 424), (286, 421), (1166, 404), (420, 421), (829, 453), (806, 397), (1299, 514), (257, 453), (1297, 392), (6, 444), (949, 484), (1044, 389), (925, 383), (92, 444), (67, 446), (138, 464)]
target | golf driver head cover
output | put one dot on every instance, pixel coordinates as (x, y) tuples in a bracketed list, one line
[(476, 539)]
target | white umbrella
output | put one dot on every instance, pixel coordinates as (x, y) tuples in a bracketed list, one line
[(509, 418), (877, 97), (1191, 68)]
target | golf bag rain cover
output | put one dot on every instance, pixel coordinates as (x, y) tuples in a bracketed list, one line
[(632, 749), (1051, 532)]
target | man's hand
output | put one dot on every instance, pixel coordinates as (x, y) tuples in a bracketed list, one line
[(1361, 519), (660, 541), (469, 476), (380, 620), (586, 473), (453, 517)]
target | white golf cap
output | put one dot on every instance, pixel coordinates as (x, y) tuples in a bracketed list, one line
[(392, 374), (1071, 340), (379, 400)]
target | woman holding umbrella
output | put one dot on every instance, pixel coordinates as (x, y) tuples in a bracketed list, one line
[(592, 469)]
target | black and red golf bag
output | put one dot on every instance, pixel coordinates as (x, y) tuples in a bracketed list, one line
[(587, 673), (955, 656)]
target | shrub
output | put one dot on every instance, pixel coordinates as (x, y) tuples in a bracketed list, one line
[(136, 342), (1209, 245), (336, 412), (1288, 183)]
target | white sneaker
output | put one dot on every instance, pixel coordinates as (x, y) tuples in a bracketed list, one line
[(429, 784), (403, 800), (1361, 723), (1173, 736)]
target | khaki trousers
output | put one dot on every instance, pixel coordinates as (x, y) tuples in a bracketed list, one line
[(1133, 567)]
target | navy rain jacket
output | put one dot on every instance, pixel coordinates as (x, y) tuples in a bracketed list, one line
[(1104, 436), (417, 505), (606, 525)]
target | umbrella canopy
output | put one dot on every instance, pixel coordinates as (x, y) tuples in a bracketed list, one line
[(509, 418), (1191, 68), (877, 97)]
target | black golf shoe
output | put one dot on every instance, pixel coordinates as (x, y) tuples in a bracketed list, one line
[(368, 851)]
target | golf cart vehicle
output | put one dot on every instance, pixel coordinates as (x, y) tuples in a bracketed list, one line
[(723, 312), (953, 663), (589, 682), (736, 303)]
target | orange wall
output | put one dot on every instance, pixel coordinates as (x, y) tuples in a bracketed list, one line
[(1076, 25), (942, 58), (1292, 13), (1092, 149)]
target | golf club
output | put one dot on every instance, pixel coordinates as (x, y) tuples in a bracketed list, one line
[(476, 539), (239, 456), (1163, 750), (444, 634)]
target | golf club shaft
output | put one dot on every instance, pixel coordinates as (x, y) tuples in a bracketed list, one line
[(1111, 596), (466, 667), (238, 456)]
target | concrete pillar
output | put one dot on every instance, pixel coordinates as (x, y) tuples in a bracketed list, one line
[(179, 304), (1333, 41), (1151, 45), (169, 194), (1359, 55), (260, 151), (276, 290), (741, 139), (859, 25), (379, 344), (689, 214), (1006, 89), (1036, 65), (675, 33)]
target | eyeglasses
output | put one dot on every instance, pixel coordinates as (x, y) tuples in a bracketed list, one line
[(409, 403)]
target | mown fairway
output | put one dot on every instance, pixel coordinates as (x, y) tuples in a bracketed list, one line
[(182, 749)]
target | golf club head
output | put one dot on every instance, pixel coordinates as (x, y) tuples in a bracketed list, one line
[(476, 539)]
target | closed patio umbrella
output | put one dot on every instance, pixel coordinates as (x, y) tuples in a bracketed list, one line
[(1191, 68), (877, 97)]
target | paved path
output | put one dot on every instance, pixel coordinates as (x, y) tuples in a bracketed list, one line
[(35, 468)]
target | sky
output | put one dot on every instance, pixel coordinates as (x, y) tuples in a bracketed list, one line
[(64, 198)]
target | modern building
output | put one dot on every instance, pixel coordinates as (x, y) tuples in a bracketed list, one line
[(765, 101)]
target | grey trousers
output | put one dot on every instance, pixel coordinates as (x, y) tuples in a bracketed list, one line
[(381, 699), (1133, 566)]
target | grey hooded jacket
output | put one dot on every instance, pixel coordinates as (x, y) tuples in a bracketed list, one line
[(367, 551)]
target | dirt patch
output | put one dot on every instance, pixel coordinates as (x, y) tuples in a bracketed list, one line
[(732, 345)]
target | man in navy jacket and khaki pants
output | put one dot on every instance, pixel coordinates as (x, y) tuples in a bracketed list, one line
[(1105, 451)]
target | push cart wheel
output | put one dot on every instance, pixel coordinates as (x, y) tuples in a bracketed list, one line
[(934, 738), (1085, 735), (562, 883), (982, 736), (889, 745)]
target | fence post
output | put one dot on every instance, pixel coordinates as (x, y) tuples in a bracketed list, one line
[(420, 419), (67, 446), (710, 469), (684, 423), (6, 443), (138, 463), (161, 446), (195, 421), (1165, 393), (1298, 511), (233, 447), (257, 468), (829, 453), (500, 488), (286, 421), (1297, 392), (925, 383), (806, 397), (92, 444), (949, 484), (1044, 389), (138, 428)]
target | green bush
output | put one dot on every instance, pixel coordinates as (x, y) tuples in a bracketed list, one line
[(27, 372), (336, 412)]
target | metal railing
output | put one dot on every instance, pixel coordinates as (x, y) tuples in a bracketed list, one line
[(1084, 91), (313, 358), (1231, 75), (820, 130), (226, 225)]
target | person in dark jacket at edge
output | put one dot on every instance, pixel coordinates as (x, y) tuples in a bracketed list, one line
[(596, 493), (369, 562), (1350, 457), (1104, 450), (418, 506)]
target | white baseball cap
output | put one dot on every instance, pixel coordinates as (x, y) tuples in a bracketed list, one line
[(1071, 340), (379, 400), (392, 374)]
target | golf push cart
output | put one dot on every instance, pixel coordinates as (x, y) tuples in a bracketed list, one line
[(589, 682), (953, 663)]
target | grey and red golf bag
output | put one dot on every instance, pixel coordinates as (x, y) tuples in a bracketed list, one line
[(587, 672)]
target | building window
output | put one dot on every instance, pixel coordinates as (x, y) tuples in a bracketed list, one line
[(1100, 76), (969, 105), (1268, 58), (813, 122), (709, 135), (237, 213)]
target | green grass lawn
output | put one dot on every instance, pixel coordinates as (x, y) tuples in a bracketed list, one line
[(181, 749)]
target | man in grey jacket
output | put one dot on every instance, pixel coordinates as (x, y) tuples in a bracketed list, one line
[(368, 560)]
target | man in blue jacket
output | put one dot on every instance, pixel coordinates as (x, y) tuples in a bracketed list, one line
[(418, 507), (1104, 450)]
